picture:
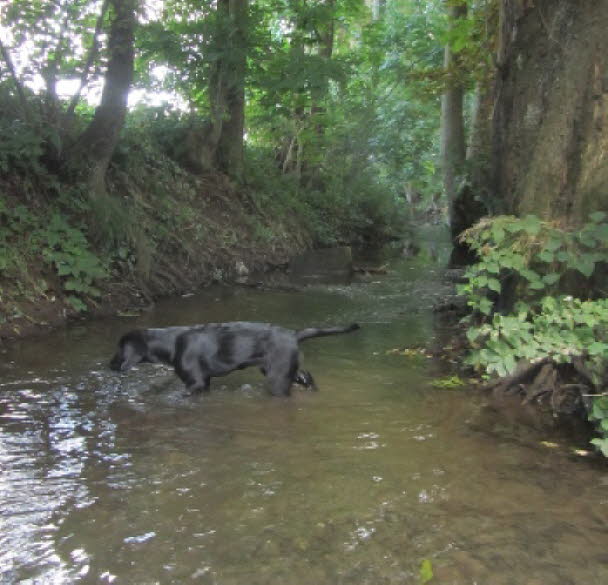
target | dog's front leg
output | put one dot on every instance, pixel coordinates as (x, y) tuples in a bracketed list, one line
[(198, 388), (193, 376), (281, 374)]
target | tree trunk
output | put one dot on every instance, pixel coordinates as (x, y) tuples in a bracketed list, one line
[(550, 131), (453, 146), (19, 87), (326, 34), (99, 140), (227, 87), (91, 56)]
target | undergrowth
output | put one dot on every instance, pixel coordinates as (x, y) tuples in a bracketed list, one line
[(542, 277), (60, 242)]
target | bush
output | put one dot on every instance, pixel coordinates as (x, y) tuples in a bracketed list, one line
[(537, 258)]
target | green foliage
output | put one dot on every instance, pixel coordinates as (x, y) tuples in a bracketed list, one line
[(560, 328), (67, 249), (449, 383), (472, 39), (339, 208), (26, 235), (425, 574), (540, 257), (353, 98), (51, 39), (20, 148)]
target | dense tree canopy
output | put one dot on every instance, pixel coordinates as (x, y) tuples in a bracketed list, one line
[(328, 89)]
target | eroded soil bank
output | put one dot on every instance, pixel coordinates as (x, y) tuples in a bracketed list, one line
[(211, 231)]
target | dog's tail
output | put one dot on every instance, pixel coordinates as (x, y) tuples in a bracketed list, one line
[(315, 332)]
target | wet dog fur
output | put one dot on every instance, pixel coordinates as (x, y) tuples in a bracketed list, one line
[(202, 352)]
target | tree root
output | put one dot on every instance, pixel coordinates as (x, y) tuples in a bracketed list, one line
[(559, 387), (524, 371)]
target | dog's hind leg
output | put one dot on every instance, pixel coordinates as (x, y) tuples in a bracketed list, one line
[(282, 372)]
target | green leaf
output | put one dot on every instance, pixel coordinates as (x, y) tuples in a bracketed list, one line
[(63, 269), (529, 274), (537, 284), (597, 348), (481, 281), (601, 233), (553, 244), (585, 266), (426, 571), (485, 306), (531, 224), (76, 303), (472, 334), (547, 256), (551, 278), (587, 239), (602, 444), (494, 284), (597, 216), (513, 226), (498, 233)]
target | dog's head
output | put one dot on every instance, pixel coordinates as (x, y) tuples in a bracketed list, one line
[(132, 349)]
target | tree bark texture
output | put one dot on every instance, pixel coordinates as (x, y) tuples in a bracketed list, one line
[(227, 89), (550, 125), (99, 139)]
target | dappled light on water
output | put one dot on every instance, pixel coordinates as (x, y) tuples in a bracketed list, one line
[(112, 478)]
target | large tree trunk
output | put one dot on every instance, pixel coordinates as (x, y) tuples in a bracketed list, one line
[(227, 90), (326, 33), (99, 140), (550, 135), (453, 147), (472, 199)]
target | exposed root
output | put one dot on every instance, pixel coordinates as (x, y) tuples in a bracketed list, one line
[(367, 270), (560, 388), (525, 371)]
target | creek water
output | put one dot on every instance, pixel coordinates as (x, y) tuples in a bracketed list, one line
[(122, 479)]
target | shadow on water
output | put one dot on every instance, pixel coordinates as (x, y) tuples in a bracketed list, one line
[(122, 479)]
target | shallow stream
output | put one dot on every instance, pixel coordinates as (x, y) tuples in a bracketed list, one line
[(122, 479)]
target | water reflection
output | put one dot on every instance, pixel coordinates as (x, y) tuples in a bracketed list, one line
[(122, 479)]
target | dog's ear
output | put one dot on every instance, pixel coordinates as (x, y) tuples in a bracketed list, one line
[(132, 349)]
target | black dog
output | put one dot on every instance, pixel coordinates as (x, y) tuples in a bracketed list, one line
[(202, 352)]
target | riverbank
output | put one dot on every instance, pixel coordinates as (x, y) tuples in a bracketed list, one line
[(158, 231), (61, 267)]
